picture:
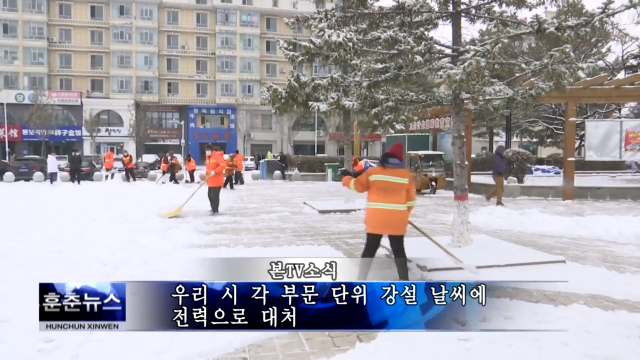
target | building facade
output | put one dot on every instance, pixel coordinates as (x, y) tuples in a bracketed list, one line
[(107, 124), (176, 54)]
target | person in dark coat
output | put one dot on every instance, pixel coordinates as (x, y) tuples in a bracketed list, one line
[(497, 169), (75, 164), (284, 164), (174, 167)]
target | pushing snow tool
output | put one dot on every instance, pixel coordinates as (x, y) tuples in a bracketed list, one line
[(160, 178), (470, 268), (178, 211)]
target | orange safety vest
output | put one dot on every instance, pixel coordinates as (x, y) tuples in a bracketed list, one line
[(229, 167), (128, 161), (239, 162), (163, 166), (108, 160), (216, 163), (191, 165), (391, 195), (360, 166)]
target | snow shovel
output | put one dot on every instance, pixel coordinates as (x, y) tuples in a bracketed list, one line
[(160, 178), (469, 268), (178, 211)]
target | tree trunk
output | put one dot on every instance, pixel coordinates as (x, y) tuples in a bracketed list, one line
[(461, 227), (347, 126)]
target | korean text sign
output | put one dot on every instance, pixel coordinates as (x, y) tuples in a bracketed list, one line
[(262, 306), (60, 133)]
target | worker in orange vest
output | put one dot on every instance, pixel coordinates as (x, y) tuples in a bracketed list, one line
[(391, 195), (239, 176), (164, 164), (215, 166), (191, 169), (108, 164), (128, 163), (229, 171)]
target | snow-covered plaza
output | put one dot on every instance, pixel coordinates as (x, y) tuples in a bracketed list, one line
[(111, 231)]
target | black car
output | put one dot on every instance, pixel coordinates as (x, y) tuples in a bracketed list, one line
[(4, 167), (87, 169), (142, 170), (24, 168)]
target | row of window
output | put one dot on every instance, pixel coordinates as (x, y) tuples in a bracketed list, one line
[(30, 81), (248, 19), (28, 6), (31, 30)]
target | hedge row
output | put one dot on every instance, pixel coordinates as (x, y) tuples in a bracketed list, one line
[(315, 164)]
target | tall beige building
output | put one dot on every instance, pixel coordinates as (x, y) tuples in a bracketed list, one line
[(172, 51), (170, 55)]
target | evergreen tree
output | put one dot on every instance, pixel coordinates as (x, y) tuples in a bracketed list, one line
[(392, 64)]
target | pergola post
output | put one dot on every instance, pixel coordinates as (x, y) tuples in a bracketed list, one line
[(569, 152)]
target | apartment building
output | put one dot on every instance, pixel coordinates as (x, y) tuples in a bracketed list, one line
[(185, 56)]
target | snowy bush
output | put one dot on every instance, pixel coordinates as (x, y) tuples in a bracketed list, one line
[(516, 163)]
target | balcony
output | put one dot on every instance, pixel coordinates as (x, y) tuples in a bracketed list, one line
[(75, 47), (76, 22), (248, 77), (270, 34), (179, 76), (190, 29), (197, 53), (181, 100), (273, 57), (78, 72), (147, 97), (275, 80)]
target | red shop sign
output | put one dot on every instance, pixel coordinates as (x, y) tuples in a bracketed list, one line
[(14, 131)]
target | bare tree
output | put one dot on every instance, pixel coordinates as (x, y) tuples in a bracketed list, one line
[(138, 126), (42, 117), (242, 128), (91, 124), (288, 125)]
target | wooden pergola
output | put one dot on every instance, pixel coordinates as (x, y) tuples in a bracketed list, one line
[(597, 90)]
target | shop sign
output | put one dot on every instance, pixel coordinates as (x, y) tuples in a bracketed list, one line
[(14, 132), (164, 133), (368, 137), (31, 97), (429, 124), (60, 133)]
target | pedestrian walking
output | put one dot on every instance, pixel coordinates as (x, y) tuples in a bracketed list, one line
[(75, 165), (391, 196), (284, 164), (129, 165), (52, 167), (497, 169), (215, 176)]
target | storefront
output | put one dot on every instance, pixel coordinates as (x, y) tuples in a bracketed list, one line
[(40, 141), (214, 125), (106, 126), (163, 132), (13, 134)]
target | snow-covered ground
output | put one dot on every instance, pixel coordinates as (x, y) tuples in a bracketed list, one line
[(112, 231), (581, 180), (590, 334)]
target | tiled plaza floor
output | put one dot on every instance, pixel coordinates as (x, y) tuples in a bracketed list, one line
[(272, 213)]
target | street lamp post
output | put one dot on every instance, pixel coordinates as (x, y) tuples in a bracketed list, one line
[(316, 135), (182, 141)]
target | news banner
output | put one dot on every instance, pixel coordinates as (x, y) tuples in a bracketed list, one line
[(301, 296)]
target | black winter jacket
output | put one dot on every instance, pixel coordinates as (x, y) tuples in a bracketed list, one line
[(75, 162)]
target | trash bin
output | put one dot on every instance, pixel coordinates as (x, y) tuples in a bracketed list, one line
[(332, 171)]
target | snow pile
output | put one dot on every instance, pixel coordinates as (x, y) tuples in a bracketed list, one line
[(592, 334), (615, 229), (538, 170)]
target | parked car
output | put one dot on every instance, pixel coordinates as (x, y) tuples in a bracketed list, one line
[(24, 168), (87, 169), (152, 159), (142, 170), (117, 164), (249, 163), (63, 161), (4, 167)]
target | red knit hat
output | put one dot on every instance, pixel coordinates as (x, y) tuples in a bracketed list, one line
[(397, 151)]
